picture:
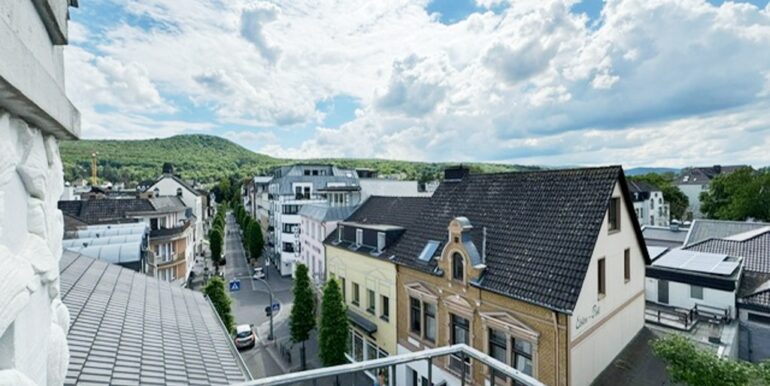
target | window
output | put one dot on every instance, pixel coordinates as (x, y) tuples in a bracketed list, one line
[(358, 347), (289, 228), (627, 264), (652, 220), (457, 267), (460, 334), (521, 357), (355, 294), (384, 308), (696, 292), (370, 301), (429, 316), (343, 288), (498, 349), (371, 351), (414, 316), (614, 214), (288, 247), (380, 241), (291, 209), (359, 236), (179, 192), (600, 276)]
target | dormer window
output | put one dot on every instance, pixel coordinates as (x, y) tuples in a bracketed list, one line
[(380, 241), (179, 192), (458, 267)]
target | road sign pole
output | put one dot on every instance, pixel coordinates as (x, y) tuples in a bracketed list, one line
[(270, 292)]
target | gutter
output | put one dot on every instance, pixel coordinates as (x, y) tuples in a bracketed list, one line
[(230, 344)]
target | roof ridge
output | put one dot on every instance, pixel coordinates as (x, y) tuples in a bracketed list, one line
[(548, 171)]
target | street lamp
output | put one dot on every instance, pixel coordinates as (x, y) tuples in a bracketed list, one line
[(270, 291)]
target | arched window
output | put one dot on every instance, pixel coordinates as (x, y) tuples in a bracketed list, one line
[(458, 267), (179, 192)]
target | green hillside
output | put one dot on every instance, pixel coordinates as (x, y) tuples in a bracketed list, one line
[(208, 158)]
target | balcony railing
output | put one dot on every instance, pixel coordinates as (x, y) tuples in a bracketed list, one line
[(461, 350)]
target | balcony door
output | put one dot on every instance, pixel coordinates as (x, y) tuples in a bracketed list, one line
[(663, 291)]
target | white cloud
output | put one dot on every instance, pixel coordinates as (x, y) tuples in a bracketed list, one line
[(532, 83)]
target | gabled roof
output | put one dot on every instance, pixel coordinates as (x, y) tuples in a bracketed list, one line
[(541, 229), (700, 175), (176, 179), (716, 229), (129, 328)]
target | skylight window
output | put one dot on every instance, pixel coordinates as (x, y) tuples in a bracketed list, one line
[(429, 250)]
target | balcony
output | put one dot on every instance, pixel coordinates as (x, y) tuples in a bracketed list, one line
[(325, 375)]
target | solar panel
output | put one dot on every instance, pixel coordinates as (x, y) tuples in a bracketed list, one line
[(702, 262), (429, 250)]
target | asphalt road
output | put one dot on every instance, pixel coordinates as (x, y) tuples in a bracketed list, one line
[(250, 301)]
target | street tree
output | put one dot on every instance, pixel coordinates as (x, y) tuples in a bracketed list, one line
[(216, 244), (216, 292), (740, 195), (689, 365), (302, 318), (256, 242), (333, 333)]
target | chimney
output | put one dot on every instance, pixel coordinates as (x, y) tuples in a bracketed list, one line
[(717, 169), (168, 168), (455, 173), (484, 245)]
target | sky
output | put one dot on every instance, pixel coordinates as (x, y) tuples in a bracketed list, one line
[(665, 83)]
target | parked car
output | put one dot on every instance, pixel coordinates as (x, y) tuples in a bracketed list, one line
[(258, 275), (244, 336)]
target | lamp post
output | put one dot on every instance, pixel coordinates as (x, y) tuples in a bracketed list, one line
[(270, 292)]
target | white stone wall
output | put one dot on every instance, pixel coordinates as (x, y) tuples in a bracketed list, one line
[(33, 320)]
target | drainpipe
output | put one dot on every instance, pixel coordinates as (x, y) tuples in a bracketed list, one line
[(556, 343)]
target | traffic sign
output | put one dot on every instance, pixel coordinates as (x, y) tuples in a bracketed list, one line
[(235, 285), (276, 306)]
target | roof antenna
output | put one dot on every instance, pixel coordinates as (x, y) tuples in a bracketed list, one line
[(484, 245)]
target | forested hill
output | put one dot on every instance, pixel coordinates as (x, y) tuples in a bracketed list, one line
[(208, 159)]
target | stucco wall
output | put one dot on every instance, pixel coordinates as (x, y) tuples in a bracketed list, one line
[(370, 274), (601, 326), (679, 296), (33, 321)]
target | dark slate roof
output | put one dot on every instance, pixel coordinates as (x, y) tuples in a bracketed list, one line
[(703, 174), (755, 251), (398, 211), (129, 328), (325, 212), (716, 229), (759, 301), (641, 187), (99, 211), (541, 229)]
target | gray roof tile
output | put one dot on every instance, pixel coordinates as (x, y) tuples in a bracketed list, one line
[(123, 323)]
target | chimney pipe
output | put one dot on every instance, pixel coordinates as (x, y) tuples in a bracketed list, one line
[(484, 245)]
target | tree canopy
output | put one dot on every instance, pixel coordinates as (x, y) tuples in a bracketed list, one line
[(216, 242), (741, 195), (333, 336), (215, 290), (302, 318), (692, 366)]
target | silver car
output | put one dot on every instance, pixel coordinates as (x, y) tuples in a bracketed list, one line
[(244, 336)]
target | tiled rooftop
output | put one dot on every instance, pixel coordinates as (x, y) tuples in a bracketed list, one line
[(129, 329)]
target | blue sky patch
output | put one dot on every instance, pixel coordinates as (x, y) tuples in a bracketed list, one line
[(339, 110)]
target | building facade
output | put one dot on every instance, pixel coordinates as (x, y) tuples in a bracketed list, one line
[(292, 187), (487, 263), (169, 184), (35, 114), (649, 204), (317, 222), (171, 254)]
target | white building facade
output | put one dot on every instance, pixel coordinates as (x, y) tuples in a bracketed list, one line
[(292, 187), (650, 206), (171, 185), (35, 114)]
